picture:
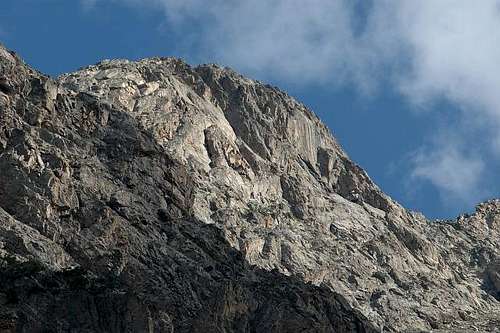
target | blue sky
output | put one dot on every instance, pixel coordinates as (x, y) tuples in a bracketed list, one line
[(409, 88)]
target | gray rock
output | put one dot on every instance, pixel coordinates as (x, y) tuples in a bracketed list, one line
[(152, 196)]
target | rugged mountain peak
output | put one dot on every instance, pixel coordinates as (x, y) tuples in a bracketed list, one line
[(7, 55), (176, 198), (262, 127), (8, 62)]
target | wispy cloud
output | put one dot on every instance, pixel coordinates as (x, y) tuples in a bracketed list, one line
[(88, 4), (449, 165), (454, 49), (427, 50)]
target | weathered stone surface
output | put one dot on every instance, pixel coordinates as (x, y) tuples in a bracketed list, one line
[(152, 196)]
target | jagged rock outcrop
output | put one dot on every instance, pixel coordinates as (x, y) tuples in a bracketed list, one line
[(152, 196)]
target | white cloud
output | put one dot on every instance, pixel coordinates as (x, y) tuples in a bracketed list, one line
[(455, 50), (426, 49), (457, 173)]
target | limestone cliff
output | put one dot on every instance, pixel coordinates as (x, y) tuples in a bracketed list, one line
[(152, 196)]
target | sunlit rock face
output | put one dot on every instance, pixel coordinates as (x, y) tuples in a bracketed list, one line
[(152, 196)]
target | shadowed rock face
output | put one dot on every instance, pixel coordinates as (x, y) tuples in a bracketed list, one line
[(152, 196)]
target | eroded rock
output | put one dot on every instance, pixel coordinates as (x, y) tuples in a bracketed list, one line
[(167, 198)]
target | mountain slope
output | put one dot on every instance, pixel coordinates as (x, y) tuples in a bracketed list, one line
[(153, 196)]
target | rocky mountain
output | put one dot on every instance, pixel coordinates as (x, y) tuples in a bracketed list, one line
[(152, 196)]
